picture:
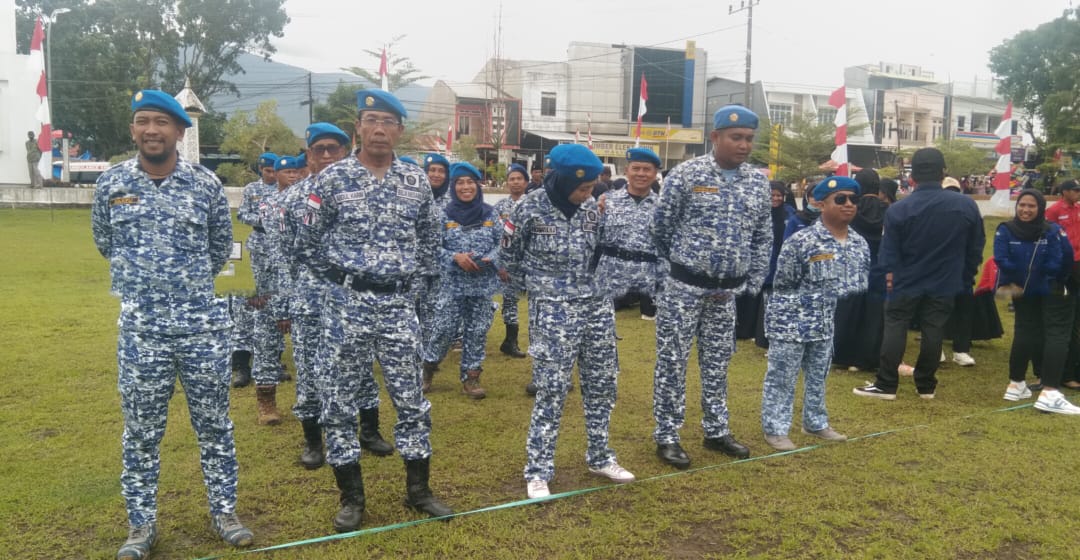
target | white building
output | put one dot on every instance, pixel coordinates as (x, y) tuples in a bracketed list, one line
[(18, 102)]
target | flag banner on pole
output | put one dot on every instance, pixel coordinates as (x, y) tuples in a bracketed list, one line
[(449, 136), (37, 64), (384, 71), (641, 108), (1003, 169), (589, 137), (838, 101)]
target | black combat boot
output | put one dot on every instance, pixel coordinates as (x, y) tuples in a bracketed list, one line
[(370, 438), (510, 344), (241, 364), (312, 455), (418, 495), (350, 483), (429, 375)]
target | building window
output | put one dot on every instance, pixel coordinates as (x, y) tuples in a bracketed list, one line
[(547, 104), (960, 123), (826, 115), (781, 114), (462, 126)]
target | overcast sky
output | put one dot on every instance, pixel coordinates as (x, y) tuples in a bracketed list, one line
[(794, 41)]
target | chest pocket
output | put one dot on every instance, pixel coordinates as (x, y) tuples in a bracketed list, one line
[(127, 224), (825, 268), (189, 226), (548, 244)]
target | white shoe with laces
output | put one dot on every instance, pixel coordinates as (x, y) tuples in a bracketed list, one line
[(614, 472), (1053, 401), (963, 359), (538, 489), (1017, 390)]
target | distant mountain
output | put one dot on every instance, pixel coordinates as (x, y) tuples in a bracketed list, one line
[(288, 85)]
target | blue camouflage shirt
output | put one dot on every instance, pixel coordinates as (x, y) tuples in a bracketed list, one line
[(306, 290), (813, 271), (626, 224), (483, 241), (277, 245), (253, 196), (165, 244), (547, 254), (714, 225), (380, 230)]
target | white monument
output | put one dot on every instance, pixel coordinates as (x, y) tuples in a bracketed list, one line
[(18, 102), (189, 146)]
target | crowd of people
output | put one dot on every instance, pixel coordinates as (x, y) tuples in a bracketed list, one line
[(360, 256)]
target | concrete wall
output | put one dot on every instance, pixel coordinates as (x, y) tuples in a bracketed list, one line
[(599, 85)]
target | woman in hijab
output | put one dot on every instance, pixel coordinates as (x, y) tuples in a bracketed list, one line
[(469, 261), (1034, 259)]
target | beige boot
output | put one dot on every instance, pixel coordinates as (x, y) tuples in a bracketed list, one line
[(428, 376), (267, 399), (471, 387)]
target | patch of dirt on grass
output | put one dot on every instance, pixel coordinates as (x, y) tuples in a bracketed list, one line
[(1010, 549), (703, 539), (973, 434), (39, 435)]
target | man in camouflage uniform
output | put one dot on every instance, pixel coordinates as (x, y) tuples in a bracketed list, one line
[(426, 284), (164, 226), (516, 179), (628, 262), (816, 267), (327, 144), (713, 226), (370, 229), (549, 246)]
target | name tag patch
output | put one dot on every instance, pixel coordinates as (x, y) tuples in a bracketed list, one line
[(451, 225), (124, 200), (348, 196), (823, 257), (545, 230), (410, 194), (706, 189)]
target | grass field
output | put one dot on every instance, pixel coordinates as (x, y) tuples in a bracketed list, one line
[(956, 477)]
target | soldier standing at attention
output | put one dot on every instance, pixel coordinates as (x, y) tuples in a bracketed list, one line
[(516, 179), (426, 284), (33, 157), (713, 226), (817, 266), (549, 244), (370, 229), (164, 225), (628, 262)]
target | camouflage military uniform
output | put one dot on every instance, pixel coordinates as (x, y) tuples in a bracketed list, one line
[(165, 244), (628, 261), (715, 230), (510, 295), (465, 297), (551, 258), (243, 321), (813, 271), (267, 341), (426, 285), (373, 236)]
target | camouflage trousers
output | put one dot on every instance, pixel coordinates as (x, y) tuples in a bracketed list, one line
[(149, 365), (472, 315), (510, 299), (243, 317), (305, 333), (425, 292), (357, 328), (778, 397), (269, 342), (683, 313), (561, 332)]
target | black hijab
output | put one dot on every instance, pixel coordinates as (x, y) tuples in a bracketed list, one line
[(809, 212), (440, 191), (1035, 229), (779, 213), (558, 190), (466, 213)]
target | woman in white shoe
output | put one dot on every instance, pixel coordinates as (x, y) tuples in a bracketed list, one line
[(1034, 258)]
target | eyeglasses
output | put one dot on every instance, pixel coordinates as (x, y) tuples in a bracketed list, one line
[(842, 199), (325, 149), (372, 122)]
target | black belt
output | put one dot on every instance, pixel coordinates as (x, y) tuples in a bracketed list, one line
[(258, 229), (687, 276), (623, 254), (348, 280)]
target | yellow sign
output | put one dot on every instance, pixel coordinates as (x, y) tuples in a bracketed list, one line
[(616, 149), (677, 135)]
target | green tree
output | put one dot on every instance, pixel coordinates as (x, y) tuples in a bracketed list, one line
[(339, 108), (249, 134), (400, 71), (804, 145), (962, 158), (1040, 71), (465, 150), (235, 174)]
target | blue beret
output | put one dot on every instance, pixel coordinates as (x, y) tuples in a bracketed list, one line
[(518, 168), (154, 100), (734, 116), (267, 160), (321, 130), (302, 160), (287, 162), (834, 184), (435, 159), (575, 161), (463, 169), (409, 159), (379, 100), (643, 154)]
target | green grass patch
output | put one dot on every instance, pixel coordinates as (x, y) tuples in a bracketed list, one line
[(958, 480)]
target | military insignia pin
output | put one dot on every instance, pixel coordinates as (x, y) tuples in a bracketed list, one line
[(138, 96), (580, 173), (369, 101), (733, 117)]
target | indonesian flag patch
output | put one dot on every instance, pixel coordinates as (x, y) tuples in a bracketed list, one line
[(314, 202), (508, 227)]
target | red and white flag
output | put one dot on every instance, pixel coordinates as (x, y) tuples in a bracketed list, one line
[(384, 72), (37, 64), (641, 109), (449, 136), (589, 137), (838, 101), (577, 136), (1003, 169)]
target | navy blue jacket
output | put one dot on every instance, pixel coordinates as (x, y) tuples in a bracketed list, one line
[(932, 243), (1048, 259)]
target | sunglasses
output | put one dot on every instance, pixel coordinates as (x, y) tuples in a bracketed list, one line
[(842, 199)]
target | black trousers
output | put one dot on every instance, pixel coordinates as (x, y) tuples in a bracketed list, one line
[(962, 316), (931, 313), (1043, 327)]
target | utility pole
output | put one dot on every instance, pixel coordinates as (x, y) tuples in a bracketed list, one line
[(310, 101), (747, 5)]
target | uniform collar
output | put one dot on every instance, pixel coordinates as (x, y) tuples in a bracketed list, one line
[(183, 172)]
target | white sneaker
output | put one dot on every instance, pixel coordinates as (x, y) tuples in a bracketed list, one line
[(1017, 391), (1054, 401), (538, 489), (943, 356), (963, 359), (648, 317), (613, 471)]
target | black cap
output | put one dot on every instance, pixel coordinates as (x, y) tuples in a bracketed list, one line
[(928, 164), (1070, 185)]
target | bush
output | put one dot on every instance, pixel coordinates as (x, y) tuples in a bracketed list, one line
[(235, 174)]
